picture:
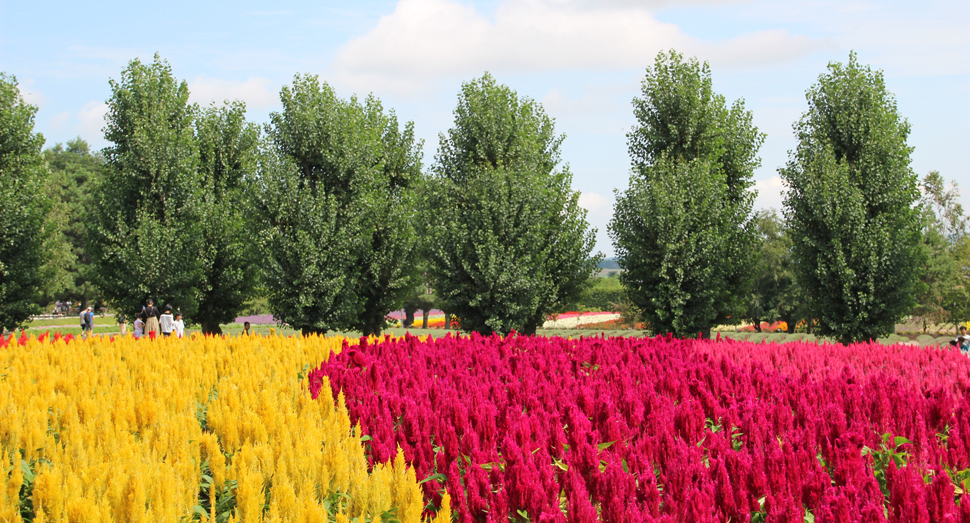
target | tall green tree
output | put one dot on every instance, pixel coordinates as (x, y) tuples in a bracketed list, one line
[(75, 170), (336, 202), (941, 295), (228, 148), (144, 239), (25, 229), (956, 296), (775, 296), (852, 205), (682, 230), (508, 240)]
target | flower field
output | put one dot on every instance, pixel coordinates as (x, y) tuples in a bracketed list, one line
[(494, 429), (169, 430), (628, 429)]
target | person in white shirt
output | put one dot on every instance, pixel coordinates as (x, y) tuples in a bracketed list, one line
[(166, 322), (139, 328), (179, 325)]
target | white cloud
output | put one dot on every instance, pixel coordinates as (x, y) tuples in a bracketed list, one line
[(597, 205), (60, 120), (258, 93), (756, 49), (428, 39), (600, 109), (91, 121), (770, 193), (29, 92)]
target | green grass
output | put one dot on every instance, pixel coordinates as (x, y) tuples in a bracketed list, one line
[(71, 320), (107, 325)]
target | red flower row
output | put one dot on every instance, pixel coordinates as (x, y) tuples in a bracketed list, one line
[(633, 429)]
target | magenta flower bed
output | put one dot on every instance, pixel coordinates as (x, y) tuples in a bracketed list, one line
[(632, 429)]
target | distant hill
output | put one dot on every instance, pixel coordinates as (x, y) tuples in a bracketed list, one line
[(609, 263)]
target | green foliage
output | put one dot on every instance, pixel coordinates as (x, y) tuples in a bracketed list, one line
[(888, 452), (852, 206), (26, 231), (681, 231), (508, 240), (669, 233), (74, 171), (775, 295), (956, 297), (305, 270), (335, 201), (228, 274), (942, 293), (681, 117), (602, 294), (144, 240)]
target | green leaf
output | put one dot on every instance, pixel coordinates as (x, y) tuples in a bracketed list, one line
[(606, 445), (439, 477)]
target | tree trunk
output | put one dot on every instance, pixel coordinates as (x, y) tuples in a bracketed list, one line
[(307, 331), (372, 327), (706, 333), (757, 324), (424, 318), (809, 325), (408, 318), (211, 328), (529, 330), (791, 325), (447, 321)]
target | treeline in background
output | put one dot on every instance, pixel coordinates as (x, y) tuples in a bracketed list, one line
[(328, 217)]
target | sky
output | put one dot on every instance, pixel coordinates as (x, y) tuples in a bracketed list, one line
[(583, 60)]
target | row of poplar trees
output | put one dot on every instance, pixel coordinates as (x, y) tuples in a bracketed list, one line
[(685, 234), (328, 212)]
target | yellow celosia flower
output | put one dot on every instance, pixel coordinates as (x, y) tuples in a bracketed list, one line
[(123, 430)]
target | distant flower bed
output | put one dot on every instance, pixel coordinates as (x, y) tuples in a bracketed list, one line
[(778, 326), (574, 314)]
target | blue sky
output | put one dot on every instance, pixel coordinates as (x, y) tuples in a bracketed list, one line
[(582, 59)]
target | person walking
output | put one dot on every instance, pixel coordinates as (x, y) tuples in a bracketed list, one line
[(166, 321), (150, 316), (87, 322), (179, 325), (122, 324), (139, 327)]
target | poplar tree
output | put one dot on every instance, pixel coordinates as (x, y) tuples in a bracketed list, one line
[(682, 231), (507, 240), (852, 205), (144, 234), (335, 201)]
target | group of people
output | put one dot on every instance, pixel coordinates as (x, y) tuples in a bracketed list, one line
[(87, 321), (62, 307), (161, 323), (962, 342)]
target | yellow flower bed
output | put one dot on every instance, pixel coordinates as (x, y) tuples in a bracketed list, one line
[(180, 429)]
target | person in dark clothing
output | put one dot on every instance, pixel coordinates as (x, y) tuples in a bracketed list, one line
[(150, 315), (87, 322)]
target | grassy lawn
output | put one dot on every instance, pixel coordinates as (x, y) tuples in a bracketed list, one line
[(67, 321)]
